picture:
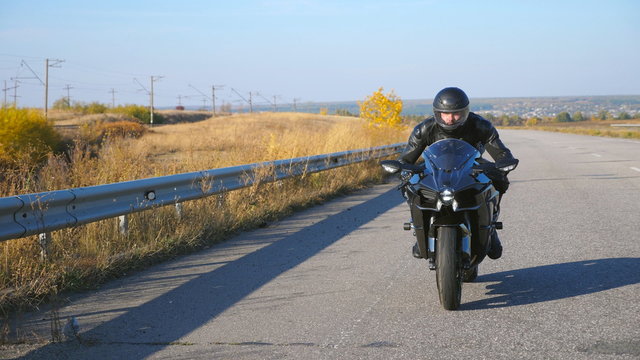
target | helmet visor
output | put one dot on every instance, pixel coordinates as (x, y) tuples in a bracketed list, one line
[(451, 119)]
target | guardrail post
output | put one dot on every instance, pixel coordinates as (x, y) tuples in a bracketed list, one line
[(179, 210), (123, 225), (44, 239)]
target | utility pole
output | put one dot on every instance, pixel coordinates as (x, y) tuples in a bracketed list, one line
[(4, 90), (213, 97), (68, 87), (247, 101), (295, 100), (153, 79), (15, 88), (204, 98), (113, 97), (47, 65), (275, 106), (150, 93), (15, 93)]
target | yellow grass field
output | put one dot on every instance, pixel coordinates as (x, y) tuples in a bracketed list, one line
[(90, 254)]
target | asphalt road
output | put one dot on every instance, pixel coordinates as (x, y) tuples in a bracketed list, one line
[(338, 281)]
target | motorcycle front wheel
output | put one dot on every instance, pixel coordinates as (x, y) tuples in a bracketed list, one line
[(448, 268)]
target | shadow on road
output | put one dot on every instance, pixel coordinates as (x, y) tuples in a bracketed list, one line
[(169, 317), (554, 282)]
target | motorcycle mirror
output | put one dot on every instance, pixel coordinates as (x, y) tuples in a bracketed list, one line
[(390, 166)]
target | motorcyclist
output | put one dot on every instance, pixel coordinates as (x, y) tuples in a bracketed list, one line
[(452, 119)]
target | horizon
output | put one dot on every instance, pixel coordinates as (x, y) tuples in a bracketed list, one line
[(317, 51)]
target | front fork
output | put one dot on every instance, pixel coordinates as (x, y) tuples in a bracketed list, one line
[(425, 228), (464, 243)]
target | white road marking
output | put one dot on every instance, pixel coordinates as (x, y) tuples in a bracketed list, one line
[(635, 168), (597, 155)]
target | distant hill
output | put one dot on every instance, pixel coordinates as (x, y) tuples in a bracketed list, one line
[(522, 106)]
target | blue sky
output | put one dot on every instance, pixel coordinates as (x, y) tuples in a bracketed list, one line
[(319, 50)]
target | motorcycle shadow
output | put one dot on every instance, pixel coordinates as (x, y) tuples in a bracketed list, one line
[(554, 282)]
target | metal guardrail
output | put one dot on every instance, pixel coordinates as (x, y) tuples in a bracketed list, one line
[(39, 213), (625, 125)]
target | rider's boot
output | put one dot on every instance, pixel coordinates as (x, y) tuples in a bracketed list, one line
[(495, 252)]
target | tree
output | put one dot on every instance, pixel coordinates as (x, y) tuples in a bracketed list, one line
[(344, 112), (62, 104), (603, 115), (382, 110), (563, 117), (624, 116), (577, 116)]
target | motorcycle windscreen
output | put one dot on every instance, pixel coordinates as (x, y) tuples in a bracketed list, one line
[(450, 154)]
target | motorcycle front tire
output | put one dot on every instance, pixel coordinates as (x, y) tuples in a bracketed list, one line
[(448, 268)]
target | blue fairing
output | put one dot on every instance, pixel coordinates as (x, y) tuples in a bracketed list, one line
[(448, 164)]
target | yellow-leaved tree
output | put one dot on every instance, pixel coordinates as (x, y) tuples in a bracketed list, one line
[(382, 110), (26, 137)]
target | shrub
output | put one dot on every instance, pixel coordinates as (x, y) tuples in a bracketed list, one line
[(95, 108), (61, 104), (122, 129), (345, 112), (138, 112), (381, 110), (532, 121), (25, 136), (97, 132)]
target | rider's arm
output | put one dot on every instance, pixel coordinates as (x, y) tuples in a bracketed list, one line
[(415, 145), (494, 146)]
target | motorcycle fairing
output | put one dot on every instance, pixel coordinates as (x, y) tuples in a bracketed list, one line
[(448, 165)]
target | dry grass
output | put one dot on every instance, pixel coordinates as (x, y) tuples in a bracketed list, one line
[(88, 255)]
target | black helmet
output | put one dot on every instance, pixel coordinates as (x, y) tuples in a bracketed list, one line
[(451, 100)]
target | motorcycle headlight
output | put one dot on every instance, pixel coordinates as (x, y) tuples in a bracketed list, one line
[(446, 196)]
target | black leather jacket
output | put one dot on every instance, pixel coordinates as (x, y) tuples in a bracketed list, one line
[(477, 131)]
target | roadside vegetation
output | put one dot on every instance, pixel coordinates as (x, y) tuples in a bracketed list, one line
[(107, 152), (578, 123)]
